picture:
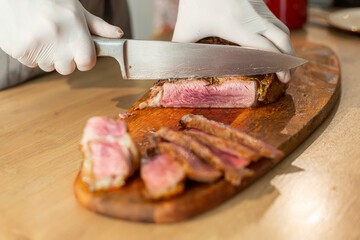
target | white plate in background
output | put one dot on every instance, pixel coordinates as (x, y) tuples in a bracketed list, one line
[(346, 19)]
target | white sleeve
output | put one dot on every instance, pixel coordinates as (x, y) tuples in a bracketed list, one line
[(12, 72)]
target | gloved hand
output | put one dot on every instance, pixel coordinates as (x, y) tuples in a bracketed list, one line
[(51, 34), (244, 22)]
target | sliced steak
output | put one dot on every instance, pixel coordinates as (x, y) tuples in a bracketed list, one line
[(233, 168), (225, 145), (194, 167), (109, 161), (228, 132), (110, 154), (191, 144), (163, 177), (232, 92)]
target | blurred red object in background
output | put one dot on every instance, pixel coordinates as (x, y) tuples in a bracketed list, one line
[(291, 12)]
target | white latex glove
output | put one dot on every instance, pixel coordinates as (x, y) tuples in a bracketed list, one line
[(245, 22), (51, 34)]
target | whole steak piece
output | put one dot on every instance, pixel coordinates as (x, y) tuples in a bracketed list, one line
[(215, 92)]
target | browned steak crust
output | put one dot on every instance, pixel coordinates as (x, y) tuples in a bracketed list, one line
[(237, 149), (228, 132)]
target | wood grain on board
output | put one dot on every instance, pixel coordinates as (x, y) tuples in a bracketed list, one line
[(285, 124)]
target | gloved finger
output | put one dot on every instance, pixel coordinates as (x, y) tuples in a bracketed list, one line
[(177, 37), (250, 40), (27, 62), (284, 76), (280, 39), (280, 25), (46, 66), (65, 66), (85, 55), (101, 28), (187, 34), (186, 38)]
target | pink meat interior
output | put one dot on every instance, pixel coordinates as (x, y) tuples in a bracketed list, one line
[(235, 93), (230, 160), (102, 127), (108, 159), (195, 163), (161, 172)]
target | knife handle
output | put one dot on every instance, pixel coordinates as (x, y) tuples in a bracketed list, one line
[(112, 48)]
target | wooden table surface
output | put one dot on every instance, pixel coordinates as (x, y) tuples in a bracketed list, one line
[(313, 193)]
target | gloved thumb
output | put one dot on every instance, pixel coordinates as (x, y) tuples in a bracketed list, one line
[(99, 27), (284, 76)]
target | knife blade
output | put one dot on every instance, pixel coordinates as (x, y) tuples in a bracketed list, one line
[(145, 59)]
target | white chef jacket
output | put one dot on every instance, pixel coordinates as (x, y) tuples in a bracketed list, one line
[(12, 72)]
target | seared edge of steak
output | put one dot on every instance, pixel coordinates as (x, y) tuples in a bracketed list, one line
[(216, 40), (223, 144), (228, 132), (273, 89)]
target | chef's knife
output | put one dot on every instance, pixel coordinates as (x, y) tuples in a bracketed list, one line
[(145, 59)]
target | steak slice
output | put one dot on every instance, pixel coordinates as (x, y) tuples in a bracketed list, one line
[(163, 177), (194, 167), (110, 154), (235, 167), (231, 92), (233, 172), (228, 132), (225, 145), (191, 144)]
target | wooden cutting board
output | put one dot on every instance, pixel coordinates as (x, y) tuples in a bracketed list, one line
[(284, 124)]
